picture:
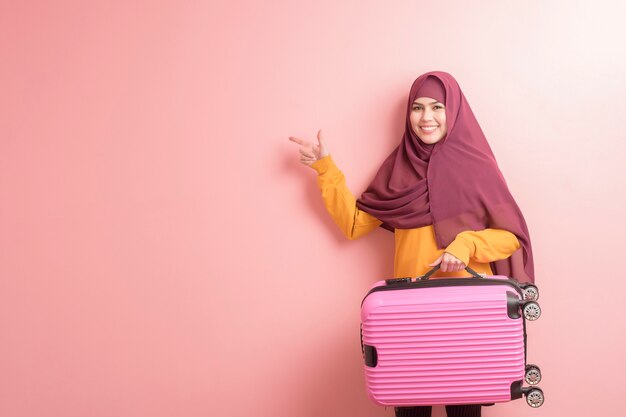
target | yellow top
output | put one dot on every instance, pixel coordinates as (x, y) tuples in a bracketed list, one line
[(415, 248)]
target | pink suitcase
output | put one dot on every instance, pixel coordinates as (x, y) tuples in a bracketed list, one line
[(448, 341)]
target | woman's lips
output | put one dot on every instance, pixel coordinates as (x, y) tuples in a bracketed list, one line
[(428, 130)]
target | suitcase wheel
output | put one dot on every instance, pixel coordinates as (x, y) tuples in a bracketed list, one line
[(533, 375), (532, 311), (534, 397), (531, 292)]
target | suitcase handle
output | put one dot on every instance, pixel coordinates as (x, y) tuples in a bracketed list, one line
[(427, 275)]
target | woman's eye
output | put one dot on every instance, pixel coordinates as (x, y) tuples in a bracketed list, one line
[(417, 108)]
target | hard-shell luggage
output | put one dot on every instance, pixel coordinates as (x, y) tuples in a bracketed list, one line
[(449, 341)]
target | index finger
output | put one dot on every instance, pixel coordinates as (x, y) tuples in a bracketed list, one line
[(298, 141)]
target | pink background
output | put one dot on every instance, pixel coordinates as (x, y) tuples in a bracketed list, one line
[(163, 253)]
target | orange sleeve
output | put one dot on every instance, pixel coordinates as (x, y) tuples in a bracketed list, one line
[(340, 202), (483, 246)]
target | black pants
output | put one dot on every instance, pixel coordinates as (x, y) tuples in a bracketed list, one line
[(472, 410)]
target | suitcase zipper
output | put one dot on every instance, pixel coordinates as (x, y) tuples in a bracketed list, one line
[(446, 282)]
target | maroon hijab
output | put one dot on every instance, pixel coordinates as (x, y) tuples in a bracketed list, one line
[(454, 184)]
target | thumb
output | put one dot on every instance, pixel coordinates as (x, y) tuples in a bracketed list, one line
[(322, 143), (437, 262)]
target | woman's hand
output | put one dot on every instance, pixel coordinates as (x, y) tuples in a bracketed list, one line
[(449, 263), (311, 152)]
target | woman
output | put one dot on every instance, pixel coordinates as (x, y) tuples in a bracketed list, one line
[(441, 193)]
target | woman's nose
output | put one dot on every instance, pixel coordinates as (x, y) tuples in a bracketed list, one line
[(427, 114)]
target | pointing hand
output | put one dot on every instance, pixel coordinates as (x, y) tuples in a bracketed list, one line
[(309, 151)]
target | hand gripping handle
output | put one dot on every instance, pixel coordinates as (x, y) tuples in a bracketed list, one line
[(427, 275)]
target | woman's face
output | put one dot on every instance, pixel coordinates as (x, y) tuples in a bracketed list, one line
[(428, 119)]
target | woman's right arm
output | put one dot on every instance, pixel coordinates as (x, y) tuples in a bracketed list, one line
[(340, 202), (338, 199)]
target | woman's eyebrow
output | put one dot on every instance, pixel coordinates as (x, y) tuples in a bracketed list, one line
[(434, 102)]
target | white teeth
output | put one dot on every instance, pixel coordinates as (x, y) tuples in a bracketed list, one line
[(429, 129)]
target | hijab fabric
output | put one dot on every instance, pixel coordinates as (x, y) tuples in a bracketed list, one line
[(454, 184)]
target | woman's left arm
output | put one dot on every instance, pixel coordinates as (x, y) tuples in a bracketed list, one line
[(483, 246)]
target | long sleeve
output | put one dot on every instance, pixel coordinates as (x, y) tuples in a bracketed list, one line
[(340, 202), (483, 246)]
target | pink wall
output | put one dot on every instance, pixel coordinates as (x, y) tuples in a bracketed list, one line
[(163, 253)]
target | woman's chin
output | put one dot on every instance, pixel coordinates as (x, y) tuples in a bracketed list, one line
[(430, 140)]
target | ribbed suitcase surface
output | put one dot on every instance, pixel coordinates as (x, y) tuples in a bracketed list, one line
[(442, 345)]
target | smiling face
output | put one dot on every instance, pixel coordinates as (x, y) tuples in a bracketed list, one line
[(428, 119)]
